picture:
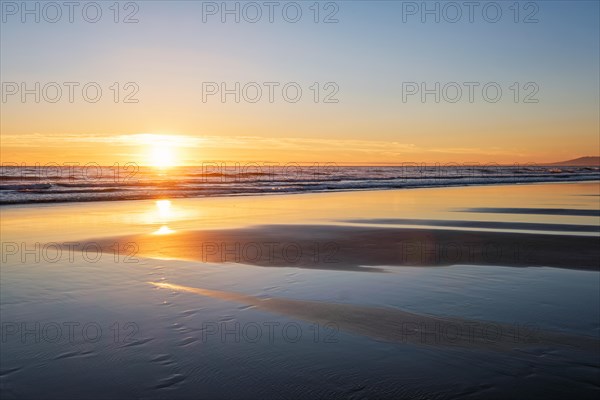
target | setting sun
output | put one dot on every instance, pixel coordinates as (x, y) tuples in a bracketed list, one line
[(162, 156), (160, 150), (302, 199)]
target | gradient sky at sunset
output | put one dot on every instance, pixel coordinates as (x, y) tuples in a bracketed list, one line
[(368, 54)]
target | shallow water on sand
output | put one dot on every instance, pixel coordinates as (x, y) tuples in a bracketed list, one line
[(110, 328), (157, 342)]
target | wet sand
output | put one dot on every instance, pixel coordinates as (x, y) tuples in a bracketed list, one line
[(400, 326), (179, 284), (362, 248)]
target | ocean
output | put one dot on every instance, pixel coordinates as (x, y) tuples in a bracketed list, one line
[(92, 182)]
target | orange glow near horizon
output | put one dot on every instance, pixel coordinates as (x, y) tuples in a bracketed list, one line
[(167, 150)]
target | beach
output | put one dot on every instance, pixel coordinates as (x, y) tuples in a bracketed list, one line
[(439, 292), (247, 200)]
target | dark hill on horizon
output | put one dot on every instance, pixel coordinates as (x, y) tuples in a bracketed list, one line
[(579, 162)]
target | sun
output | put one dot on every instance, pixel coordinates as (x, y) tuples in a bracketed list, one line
[(160, 150), (162, 155)]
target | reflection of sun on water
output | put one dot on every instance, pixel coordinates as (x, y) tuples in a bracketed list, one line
[(164, 208), (164, 230), (164, 213)]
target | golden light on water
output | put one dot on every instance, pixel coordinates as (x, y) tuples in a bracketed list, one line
[(164, 214), (164, 208), (169, 213), (163, 230)]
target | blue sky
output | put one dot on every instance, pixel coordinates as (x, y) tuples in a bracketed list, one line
[(368, 53)]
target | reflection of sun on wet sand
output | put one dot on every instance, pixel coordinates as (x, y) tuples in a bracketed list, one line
[(396, 325), (421, 332)]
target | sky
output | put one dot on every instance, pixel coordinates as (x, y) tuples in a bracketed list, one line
[(362, 69)]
